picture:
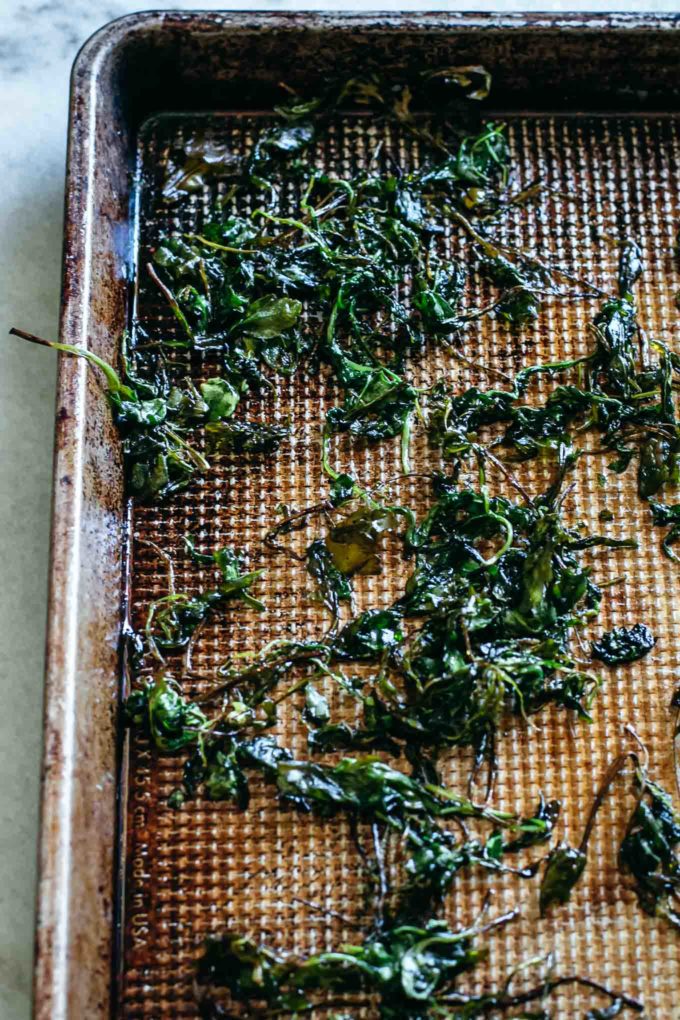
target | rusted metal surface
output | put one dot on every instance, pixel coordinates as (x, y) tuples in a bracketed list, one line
[(139, 67)]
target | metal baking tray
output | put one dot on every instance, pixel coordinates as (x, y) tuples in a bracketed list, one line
[(129, 888)]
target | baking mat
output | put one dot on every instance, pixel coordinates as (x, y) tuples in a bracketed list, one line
[(192, 871)]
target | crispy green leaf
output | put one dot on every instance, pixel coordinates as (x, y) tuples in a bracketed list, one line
[(269, 317)]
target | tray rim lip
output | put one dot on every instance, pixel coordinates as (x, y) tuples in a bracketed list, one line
[(52, 945), (117, 31)]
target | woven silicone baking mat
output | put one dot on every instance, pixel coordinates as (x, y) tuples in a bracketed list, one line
[(193, 871)]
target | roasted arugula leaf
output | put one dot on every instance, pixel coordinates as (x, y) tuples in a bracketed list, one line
[(370, 635), (221, 399), (630, 405), (245, 436), (455, 420), (409, 970), (334, 586), (268, 317), (628, 401), (406, 966), (648, 851), (521, 282), (153, 419), (378, 404), (173, 619), (347, 252), (216, 771), (233, 581), (201, 159), (353, 544), (500, 588), (172, 721), (437, 297), (537, 829), (367, 789), (565, 864), (667, 515), (316, 711), (342, 489), (380, 409), (156, 422), (213, 295), (563, 869), (482, 630), (624, 644)]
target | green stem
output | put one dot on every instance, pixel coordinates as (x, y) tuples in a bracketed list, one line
[(286, 221), (325, 444), (113, 380), (172, 301), (222, 247), (404, 445), (509, 535), (193, 454)]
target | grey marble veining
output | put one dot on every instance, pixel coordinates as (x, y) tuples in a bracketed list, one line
[(38, 42)]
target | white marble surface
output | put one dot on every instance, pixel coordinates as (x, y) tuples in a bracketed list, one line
[(38, 41)]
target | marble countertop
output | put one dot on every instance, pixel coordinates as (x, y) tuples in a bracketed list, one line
[(38, 42)]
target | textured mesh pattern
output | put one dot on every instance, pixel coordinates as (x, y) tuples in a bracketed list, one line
[(190, 872)]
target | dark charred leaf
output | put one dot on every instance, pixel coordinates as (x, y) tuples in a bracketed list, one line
[(624, 644), (334, 585), (630, 267), (648, 851), (563, 869), (342, 489), (369, 635), (665, 515), (537, 829)]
